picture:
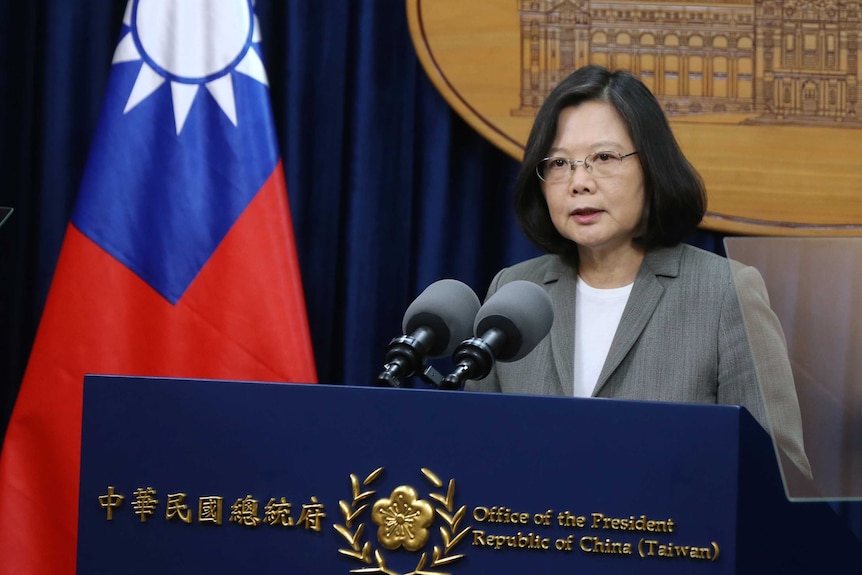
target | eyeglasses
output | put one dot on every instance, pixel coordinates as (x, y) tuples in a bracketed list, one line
[(557, 170)]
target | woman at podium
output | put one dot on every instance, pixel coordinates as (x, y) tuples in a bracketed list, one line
[(605, 190)]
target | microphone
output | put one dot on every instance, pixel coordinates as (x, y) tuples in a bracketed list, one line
[(508, 326), (433, 325)]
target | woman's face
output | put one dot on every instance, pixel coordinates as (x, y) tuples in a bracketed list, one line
[(598, 213)]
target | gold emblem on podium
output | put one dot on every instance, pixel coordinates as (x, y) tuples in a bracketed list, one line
[(403, 520)]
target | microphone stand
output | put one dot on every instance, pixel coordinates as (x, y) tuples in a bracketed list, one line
[(405, 356), (432, 376), (474, 358)]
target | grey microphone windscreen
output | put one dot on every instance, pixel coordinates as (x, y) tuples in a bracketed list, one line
[(447, 307), (520, 309)]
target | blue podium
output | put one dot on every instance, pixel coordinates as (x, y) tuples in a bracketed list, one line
[(189, 476)]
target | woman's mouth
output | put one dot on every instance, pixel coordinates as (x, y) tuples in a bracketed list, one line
[(585, 215)]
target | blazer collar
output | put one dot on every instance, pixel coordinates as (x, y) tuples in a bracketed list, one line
[(645, 296), (662, 261), (657, 262), (561, 282)]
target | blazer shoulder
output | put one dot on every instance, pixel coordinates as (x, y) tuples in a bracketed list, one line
[(704, 263), (537, 270)]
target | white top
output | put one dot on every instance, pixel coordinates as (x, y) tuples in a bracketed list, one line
[(597, 315)]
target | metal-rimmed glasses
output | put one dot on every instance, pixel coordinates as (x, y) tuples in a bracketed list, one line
[(557, 169)]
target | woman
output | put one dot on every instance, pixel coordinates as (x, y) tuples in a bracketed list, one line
[(605, 189)]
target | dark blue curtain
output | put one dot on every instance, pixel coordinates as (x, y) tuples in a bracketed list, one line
[(389, 189)]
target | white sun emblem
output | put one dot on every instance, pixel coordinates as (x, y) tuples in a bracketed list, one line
[(190, 43)]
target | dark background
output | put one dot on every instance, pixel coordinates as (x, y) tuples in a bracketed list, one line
[(389, 189)]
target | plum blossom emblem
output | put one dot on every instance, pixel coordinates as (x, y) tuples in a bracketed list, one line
[(403, 519)]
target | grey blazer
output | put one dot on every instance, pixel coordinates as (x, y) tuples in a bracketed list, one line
[(681, 339)]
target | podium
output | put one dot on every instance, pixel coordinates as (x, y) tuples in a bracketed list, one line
[(190, 476)]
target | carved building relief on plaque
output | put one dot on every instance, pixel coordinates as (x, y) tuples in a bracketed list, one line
[(775, 61)]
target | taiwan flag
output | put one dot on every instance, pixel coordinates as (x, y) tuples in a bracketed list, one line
[(179, 259)]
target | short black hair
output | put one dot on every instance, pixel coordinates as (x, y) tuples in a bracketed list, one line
[(674, 193)]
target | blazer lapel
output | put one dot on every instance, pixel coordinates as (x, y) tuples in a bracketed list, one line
[(561, 285), (646, 294)]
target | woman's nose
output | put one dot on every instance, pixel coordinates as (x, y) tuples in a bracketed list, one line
[(581, 180)]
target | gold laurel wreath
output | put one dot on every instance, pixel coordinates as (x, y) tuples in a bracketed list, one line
[(362, 550)]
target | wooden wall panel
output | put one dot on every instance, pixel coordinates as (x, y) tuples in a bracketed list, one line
[(762, 95)]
